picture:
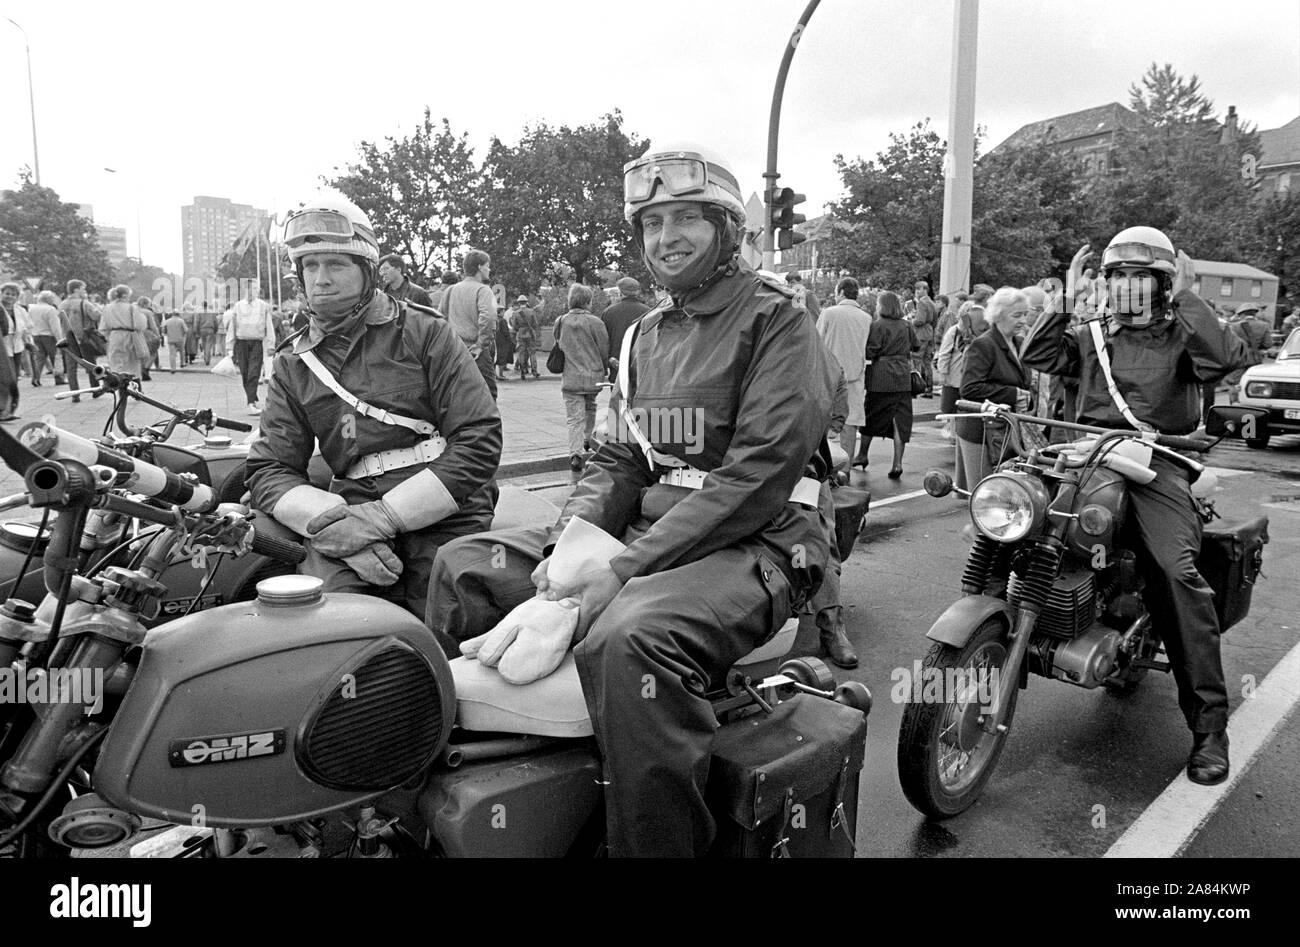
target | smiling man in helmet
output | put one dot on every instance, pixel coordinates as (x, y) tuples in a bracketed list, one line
[(727, 530), (1161, 343), (401, 413)]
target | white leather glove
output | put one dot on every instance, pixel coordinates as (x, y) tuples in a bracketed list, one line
[(376, 564), (530, 642)]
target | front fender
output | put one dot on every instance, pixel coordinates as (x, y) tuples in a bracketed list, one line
[(958, 622)]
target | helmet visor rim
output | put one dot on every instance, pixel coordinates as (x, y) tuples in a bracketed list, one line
[(678, 175), (329, 225), (1135, 254)]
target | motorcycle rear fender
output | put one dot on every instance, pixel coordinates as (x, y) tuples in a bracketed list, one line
[(960, 620)]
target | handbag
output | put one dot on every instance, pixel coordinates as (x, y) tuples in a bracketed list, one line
[(918, 384), (91, 344), (555, 359)]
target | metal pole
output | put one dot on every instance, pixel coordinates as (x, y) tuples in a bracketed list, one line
[(31, 99), (958, 185), (773, 129)]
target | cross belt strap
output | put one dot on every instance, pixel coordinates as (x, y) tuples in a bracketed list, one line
[(362, 408), (1103, 357), (372, 465), (653, 457)]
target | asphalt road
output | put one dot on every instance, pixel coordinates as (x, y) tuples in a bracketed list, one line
[(1080, 766)]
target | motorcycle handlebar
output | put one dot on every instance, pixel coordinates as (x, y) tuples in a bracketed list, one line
[(281, 549), (139, 476), (231, 425), (1172, 441)]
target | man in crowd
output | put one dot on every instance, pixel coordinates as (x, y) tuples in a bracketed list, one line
[(250, 338), (207, 326), (174, 330), (619, 317), (526, 332), (392, 273), (708, 571), (82, 316), (471, 308), (49, 325), (401, 413), (1162, 342)]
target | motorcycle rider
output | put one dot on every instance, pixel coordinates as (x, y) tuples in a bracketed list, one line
[(715, 561), (1163, 342), (402, 415)]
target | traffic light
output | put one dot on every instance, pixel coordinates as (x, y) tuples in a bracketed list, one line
[(784, 218)]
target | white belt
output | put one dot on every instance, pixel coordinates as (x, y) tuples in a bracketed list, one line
[(372, 465), (807, 491)]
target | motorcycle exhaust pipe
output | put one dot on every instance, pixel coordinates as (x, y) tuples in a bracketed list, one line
[(457, 754)]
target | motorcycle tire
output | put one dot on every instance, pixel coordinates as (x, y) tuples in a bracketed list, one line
[(921, 744)]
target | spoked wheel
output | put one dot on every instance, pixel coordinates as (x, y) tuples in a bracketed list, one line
[(945, 757)]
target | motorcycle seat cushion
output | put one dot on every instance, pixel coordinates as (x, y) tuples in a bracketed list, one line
[(550, 707)]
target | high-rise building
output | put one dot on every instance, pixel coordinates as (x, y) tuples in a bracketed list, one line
[(209, 227), (112, 240)]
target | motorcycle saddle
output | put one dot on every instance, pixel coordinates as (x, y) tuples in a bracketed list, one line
[(554, 705)]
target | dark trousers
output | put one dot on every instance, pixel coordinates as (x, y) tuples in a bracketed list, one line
[(1163, 521), (46, 353), (248, 356), (645, 666), (8, 388), (486, 362)]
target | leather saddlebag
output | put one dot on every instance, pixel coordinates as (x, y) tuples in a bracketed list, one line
[(1231, 558), (785, 784)]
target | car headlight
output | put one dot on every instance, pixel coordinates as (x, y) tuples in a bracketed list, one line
[(1005, 507), (1259, 389)]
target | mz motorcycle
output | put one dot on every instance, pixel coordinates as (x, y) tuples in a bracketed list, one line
[(309, 724), (1050, 589)]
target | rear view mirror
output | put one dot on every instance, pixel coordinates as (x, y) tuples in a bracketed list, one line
[(1237, 421)]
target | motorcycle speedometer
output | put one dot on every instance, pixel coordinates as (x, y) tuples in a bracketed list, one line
[(1006, 507)]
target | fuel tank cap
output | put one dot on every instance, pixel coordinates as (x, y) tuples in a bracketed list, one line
[(290, 590), (216, 440)]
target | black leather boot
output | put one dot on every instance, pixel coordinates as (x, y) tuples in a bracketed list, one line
[(1208, 764), (837, 648)]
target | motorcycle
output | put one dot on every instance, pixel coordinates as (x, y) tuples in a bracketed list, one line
[(1050, 589), (311, 724)]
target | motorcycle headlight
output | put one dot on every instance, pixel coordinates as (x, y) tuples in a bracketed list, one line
[(1006, 507), (1259, 389)]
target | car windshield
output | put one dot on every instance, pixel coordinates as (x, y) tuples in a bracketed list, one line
[(1291, 348)]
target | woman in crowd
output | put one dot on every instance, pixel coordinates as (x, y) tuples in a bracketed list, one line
[(124, 326), (152, 335), (888, 407), (583, 339), (952, 361), (992, 373)]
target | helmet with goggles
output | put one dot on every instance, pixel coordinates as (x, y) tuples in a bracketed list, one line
[(682, 172), (1144, 247), (330, 223)]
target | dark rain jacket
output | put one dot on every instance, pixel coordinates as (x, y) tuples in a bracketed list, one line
[(411, 366), (755, 367), (1158, 368)]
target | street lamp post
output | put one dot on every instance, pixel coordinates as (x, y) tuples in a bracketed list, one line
[(31, 99)]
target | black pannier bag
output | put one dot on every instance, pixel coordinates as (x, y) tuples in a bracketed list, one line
[(1231, 557), (785, 784)]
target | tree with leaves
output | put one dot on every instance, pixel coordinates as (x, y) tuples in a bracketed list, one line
[(42, 237), (556, 200), (1178, 170), (418, 191)]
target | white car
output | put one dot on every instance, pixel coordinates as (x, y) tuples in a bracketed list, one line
[(1275, 386)]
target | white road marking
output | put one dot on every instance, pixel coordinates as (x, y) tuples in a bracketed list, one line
[(1170, 823), (897, 499)]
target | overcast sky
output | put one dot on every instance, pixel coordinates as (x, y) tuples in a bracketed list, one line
[(254, 101)]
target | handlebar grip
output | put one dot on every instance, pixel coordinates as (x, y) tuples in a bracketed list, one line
[(1179, 442), (963, 405), (231, 425), (274, 548)]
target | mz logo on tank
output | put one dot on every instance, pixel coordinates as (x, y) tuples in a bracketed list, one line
[(225, 748)]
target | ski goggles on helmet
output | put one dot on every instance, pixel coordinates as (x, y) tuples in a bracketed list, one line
[(323, 224), (679, 174), (1135, 254)]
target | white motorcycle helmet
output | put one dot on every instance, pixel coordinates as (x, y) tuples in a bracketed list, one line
[(1150, 249), (680, 172), (330, 223)]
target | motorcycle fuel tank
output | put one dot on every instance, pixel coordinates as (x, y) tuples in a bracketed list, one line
[(277, 710)]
